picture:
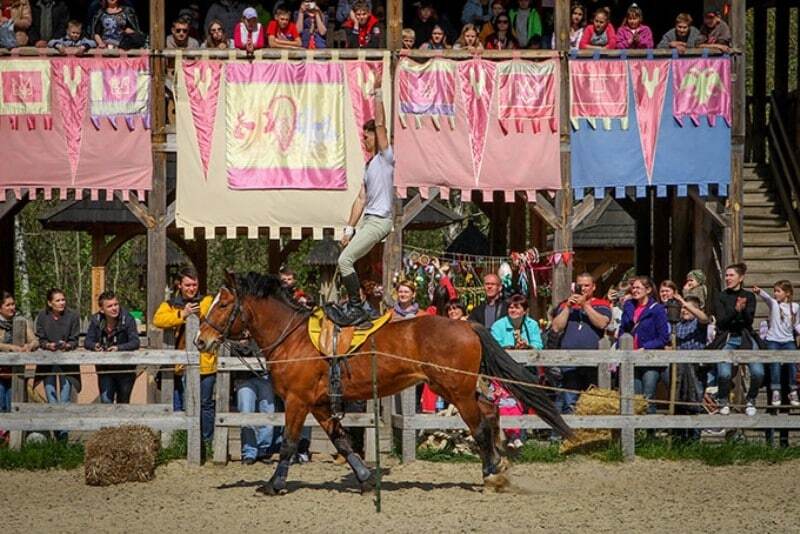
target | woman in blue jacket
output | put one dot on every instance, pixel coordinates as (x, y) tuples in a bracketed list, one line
[(646, 320), (517, 330)]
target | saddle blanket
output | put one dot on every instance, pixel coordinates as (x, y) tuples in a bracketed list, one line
[(320, 331)]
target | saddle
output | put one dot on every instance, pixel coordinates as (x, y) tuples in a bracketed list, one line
[(338, 342)]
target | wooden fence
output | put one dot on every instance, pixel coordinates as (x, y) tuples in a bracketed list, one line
[(33, 416)]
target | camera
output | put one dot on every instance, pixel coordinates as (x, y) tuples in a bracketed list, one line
[(310, 6)]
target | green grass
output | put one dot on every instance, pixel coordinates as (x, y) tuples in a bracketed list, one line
[(176, 449), (45, 455)]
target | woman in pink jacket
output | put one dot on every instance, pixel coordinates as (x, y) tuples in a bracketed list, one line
[(633, 34)]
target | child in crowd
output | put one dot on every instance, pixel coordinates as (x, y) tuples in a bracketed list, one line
[(507, 405), (409, 36), (600, 33), (468, 40), (363, 30), (73, 42), (282, 32), (502, 38), (313, 25), (577, 22), (438, 40), (633, 34), (784, 325), (695, 286)]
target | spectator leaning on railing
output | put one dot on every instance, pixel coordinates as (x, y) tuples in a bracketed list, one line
[(362, 28), (73, 41), (172, 314), (113, 329), (249, 34), (179, 37), (8, 310)]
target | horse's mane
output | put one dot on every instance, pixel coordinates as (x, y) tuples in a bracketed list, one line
[(263, 286)]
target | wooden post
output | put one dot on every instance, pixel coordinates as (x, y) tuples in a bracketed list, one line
[(603, 373), (736, 194), (562, 240), (191, 395), (681, 245), (782, 19), (660, 229), (19, 335), (7, 243), (408, 436), (394, 29), (626, 392), (98, 268), (759, 83), (157, 202), (223, 406)]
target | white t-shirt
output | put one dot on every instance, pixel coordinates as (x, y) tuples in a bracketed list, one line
[(379, 182)]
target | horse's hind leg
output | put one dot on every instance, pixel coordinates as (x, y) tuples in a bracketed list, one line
[(295, 418), (341, 440), (482, 418)]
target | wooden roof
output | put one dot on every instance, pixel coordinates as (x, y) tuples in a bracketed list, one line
[(609, 226)]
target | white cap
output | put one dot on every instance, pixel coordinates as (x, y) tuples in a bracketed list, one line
[(250, 13)]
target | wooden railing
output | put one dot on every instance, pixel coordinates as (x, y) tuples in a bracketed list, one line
[(32, 416)]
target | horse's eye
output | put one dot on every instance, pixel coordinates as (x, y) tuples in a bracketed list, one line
[(223, 305)]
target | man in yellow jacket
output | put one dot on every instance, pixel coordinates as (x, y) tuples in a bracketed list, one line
[(172, 314)]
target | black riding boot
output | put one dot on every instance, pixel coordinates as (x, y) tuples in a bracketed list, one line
[(353, 312)]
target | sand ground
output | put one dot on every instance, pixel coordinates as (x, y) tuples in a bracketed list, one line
[(580, 495)]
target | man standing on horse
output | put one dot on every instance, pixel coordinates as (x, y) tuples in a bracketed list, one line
[(375, 202)]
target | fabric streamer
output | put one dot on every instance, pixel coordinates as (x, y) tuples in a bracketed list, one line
[(25, 92)]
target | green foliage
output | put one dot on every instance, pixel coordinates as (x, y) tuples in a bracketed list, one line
[(45, 455), (176, 449), (729, 452), (446, 455)]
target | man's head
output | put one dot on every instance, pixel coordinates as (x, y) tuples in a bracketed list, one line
[(409, 36), (524, 4), (74, 30), (109, 304), (426, 11), (180, 31), (370, 141), (187, 283), (497, 8), (282, 16), (492, 286), (712, 19), (584, 284), (362, 13), (288, 278), (682, 24)]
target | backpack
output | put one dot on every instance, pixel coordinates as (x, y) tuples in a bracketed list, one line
[(8, 37)]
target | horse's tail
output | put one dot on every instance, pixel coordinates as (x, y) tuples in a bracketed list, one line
[(497, 362)]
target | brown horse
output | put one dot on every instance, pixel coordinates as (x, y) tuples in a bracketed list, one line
[(256, 304)]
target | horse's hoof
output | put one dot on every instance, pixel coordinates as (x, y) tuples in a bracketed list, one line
[(497, 483), (368, 485), (270, 490)]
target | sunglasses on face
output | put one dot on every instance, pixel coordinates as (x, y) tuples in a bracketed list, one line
[(181, 31)]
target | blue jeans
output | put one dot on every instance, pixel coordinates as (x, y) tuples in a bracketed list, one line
[(775, 368), (645, 383), (54, 398), (177, 393), (116, 387), (565, 400), (725, 372), (5, 394), (254, 393), (208, 406)]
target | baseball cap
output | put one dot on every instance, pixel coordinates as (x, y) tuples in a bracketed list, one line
[(250, 13), (714, 12)]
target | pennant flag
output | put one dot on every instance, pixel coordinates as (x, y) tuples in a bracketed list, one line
[(25, 91), (361, 76), (427, 89), (701, 87), (202, 85), (71, 89), (599, 90), (283, 125), (120, 88), (649, 79), (477, 81), (527, 93)]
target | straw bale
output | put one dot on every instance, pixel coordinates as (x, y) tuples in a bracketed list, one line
[(598, 401), (124, 454)]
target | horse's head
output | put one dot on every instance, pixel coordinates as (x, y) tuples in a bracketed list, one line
[(224, 320)]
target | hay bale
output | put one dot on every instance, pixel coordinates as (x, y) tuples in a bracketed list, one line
[(124, 454), (598, 401)]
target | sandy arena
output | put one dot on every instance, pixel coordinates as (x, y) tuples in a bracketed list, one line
[(577, 496)]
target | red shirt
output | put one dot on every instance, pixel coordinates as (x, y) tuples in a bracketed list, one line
[(288, 34)]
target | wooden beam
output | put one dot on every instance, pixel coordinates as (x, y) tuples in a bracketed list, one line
[(546, 211), (139, 210), (416, 206), (393, 253), (782, 44), (582, 210), (98, 269), (738, 24), (598, 210), (713, 207), (759, 84), (394, 24)]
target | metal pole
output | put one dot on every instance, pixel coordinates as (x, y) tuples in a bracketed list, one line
[(376, 420)]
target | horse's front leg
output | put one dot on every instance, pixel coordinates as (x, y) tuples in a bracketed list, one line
[(296, 412), (341, 440)]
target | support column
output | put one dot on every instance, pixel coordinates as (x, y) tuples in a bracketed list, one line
[(562, 240), (661, 250), (782, 19), (7, 238), (759, 83), (98, 269), (682, 239), (394, 24), (736, 192)]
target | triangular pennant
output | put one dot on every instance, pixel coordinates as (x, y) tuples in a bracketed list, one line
[(477, 83), (361, 76), (71, 84), (649, 79), (202, 78)]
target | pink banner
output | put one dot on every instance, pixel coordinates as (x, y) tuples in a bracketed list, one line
[(482, 157), (120, 88), (527, 93), (202, 85), (426, 89), (701, 87), (25, 91), (599, 90), (71, 90), (361, 76), (476, 84), (649, 78)]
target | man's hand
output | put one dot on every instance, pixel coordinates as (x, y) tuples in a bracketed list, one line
[(112, 349), (189, 309), (345, 240), (756, 290), (98, 347)]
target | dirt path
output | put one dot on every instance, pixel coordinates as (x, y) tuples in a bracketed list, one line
[(576, 496)]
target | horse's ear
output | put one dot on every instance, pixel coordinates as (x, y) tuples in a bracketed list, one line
[(230, 280)]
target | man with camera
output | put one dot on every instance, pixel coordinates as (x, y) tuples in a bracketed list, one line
[(313, 26), (172, 314), (113, 329), (580, 322)]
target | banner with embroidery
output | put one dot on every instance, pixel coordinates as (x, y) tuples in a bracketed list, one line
[(120, 88), (71, 91), (649, 79), (476, 87), (527, 94), (25, 91), (284, 124), (202, 80), (426, 90), (361, 76), (702, 86), (598, 91)]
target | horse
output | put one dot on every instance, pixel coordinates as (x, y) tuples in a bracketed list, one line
[(447, 354)]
